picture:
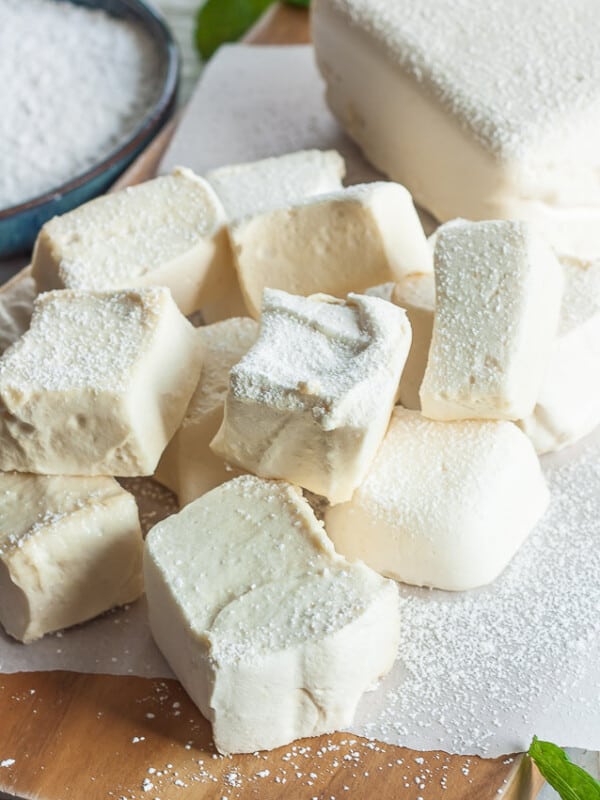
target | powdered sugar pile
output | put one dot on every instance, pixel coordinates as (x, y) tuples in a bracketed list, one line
[(75, 83)]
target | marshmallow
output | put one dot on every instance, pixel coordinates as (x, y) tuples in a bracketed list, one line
[(416, 295), (568, 405), (97, 385), (444, 504), (188, 466), (165, 232), (498, 296), (384, 291), (337, 243), (264, 185), (311, 400), (70, 549), (16, 307), (273, 635), (271, 183), (482, 111)]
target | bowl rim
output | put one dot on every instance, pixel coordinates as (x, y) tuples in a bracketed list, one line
[(157, 114)]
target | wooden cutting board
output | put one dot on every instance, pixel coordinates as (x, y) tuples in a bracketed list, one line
[(82, 737)]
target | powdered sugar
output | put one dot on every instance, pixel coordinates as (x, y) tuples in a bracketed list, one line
[(57, 121), (331, 357), (79, 340)]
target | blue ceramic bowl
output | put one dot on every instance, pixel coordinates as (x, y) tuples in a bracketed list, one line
[(19, 225)]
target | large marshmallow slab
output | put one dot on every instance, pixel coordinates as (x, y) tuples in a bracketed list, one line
[(165, 232), (70, 549), (568, 405), (311, 400), (445, 504), (480, 111), (188, 466), (273, 635), (97, 385), (498, 296), (16, 307), (338, 243), (270, 183), (416, 295)]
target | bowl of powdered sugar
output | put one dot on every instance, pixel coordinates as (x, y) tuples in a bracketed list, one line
[(84, 87)]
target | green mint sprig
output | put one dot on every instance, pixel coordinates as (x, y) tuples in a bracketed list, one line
[(220, 21), (569, 780)]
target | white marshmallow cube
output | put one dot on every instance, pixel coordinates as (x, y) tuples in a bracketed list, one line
[(498, 296), (444, 504), (270, 183), (165, 232), (258, 186), (342, 242), (273, 635), (311, 400), (98, 384), (568, 405), (479, 110), (70, 549)]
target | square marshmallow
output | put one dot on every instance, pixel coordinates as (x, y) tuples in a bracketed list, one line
[(568, 404), (166, 232), (482, 110), (311, 400), (98, 384), (70, 549), (270, 183), (259, 186), (273, 635), (498, 294), (342, 242), (444, 504)]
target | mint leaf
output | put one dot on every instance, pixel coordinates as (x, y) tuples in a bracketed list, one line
[(569, 780), (220, 21)]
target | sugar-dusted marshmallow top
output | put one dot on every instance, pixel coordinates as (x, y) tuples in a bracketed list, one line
[(322, 354), (444, 504), (514, 74), (119, 239), (311, 400), (84, 340)]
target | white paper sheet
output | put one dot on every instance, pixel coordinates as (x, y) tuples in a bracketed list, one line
[(478, 672)]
